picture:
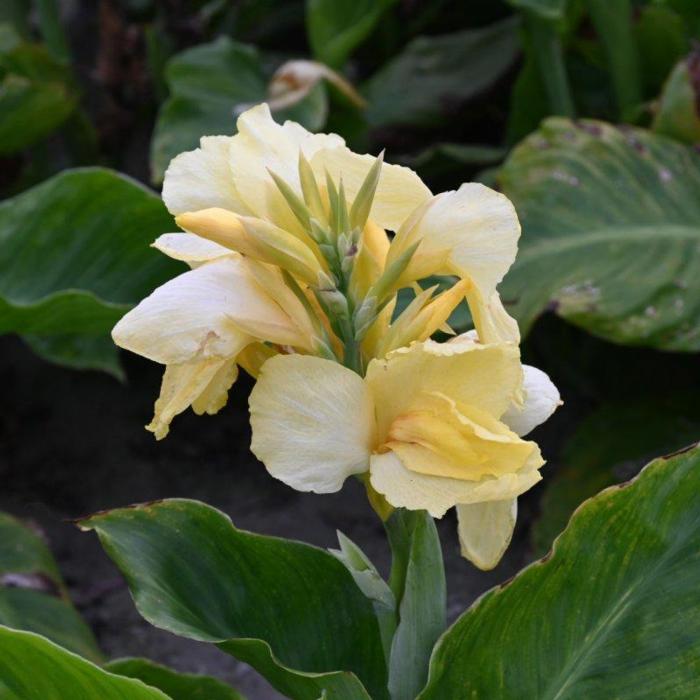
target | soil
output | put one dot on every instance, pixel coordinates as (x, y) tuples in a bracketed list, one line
[(73, 443)]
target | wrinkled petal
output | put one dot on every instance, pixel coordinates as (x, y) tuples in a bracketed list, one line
[(202, 385), (485, 530), (398, 193), (472, 233), (441, 438), (487, 376), (541, 399), (312, 422), (211, 312), (189, 248), (202, 178), (262, 145), (492, 322), (407, 489)]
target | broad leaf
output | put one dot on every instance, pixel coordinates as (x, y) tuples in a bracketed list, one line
[(210, 85), (291, 611), (677, 111), (423, 84), (33, 668), (36, 96), (178, 686), (611, 445), (418, 579), (613, 612), (611, 233), (32, 594), (337, 27), (75, 256)]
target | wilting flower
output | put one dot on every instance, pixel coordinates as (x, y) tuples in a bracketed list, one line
[(435, 425)]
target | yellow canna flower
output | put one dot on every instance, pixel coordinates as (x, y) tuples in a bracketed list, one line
[(435, 426), (198, 323)]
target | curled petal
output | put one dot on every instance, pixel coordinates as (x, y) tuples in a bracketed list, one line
[(541, 399), (487, 376), (407, 489), (312, 422), (211, 312), (189, 248), (202, 178), (202, 385), (472, 233), (485, 530)]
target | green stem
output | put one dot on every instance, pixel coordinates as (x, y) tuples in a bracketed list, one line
[(613, 24), (545, 44)]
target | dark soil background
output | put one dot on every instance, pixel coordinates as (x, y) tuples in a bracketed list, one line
[(73, 443)]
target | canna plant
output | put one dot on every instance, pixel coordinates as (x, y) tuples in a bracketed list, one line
[(295, 279)]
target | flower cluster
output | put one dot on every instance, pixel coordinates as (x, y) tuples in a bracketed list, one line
[(295, 278)]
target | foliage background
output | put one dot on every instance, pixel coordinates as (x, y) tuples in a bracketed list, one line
[(96, 97)]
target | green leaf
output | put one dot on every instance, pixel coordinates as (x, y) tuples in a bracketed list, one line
[(291, 611), (418, 579), (33, 668), (178, 686), (78, 352), (75, 256), (337, 27), (421, 85), (611, 233), (210, 85), (612, 613), (33, 596), (36, 97), (609, 446), (677, 111)]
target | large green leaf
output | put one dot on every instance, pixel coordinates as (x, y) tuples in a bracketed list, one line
[(553, 10), (36, 96), (33, 668), (75, 256), (336, 27), (291, 611), (33, 596), (611, 233), (178, 686), (209, 85), (613, 612), (421, 86)]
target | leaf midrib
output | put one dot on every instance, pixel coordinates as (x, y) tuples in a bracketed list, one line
[(614, 234)]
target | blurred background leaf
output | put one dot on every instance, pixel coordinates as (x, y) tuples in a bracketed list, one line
[(75, 257), (611, 221)]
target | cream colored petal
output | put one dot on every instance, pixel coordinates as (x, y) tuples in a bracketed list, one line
[(541, 400), (312, 422), (398, 193), (262, 145), (492, 321), (189, 248), (202, 385), (436, 494), (210, 312), (485, 376), (472, 232), (202, 178), (485, 530)]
